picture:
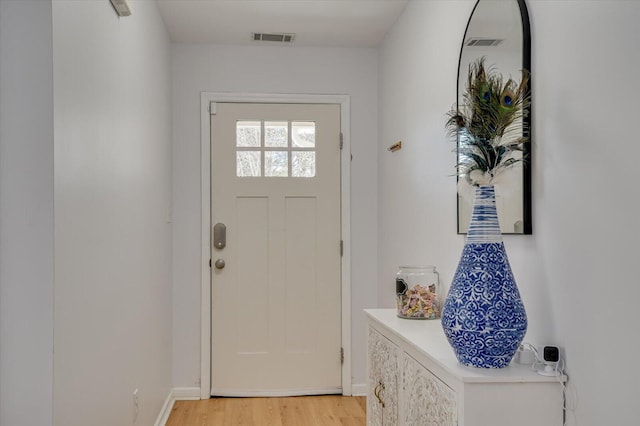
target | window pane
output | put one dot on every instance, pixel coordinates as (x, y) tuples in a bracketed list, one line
[(248, 163), (303, 164), (276, 163), (248, 133), (275, 134), (303, 134)]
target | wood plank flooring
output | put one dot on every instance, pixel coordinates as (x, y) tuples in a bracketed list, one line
[(325, 410)]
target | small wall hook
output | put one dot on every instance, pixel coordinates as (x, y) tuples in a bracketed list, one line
[(395, 147)]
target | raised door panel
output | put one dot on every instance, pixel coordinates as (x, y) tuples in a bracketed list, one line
[(426, 400), (382, 400)]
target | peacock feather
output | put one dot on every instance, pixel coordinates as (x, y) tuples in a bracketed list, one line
[(482, 124)]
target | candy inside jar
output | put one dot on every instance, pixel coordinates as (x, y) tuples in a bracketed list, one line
[(417, 292)]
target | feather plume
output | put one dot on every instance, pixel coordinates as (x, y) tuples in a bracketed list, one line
[(482, 125)]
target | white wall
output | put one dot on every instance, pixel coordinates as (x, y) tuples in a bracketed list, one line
[(585, 202), (252, 69), (417, 198), (577, 272), (26, 213), (112, 195)]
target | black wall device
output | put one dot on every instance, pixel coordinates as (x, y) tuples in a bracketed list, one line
[(551, 354)]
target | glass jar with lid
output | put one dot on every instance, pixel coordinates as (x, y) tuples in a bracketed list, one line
[(417, 292)]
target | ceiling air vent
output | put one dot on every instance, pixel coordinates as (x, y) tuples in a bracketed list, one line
[(277, 37), (483, 42)]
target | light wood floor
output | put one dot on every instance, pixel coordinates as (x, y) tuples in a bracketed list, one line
[(326, 410)]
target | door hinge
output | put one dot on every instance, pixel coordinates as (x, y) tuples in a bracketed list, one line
[(341, 248), (341, 355), (341, 141), (213, 108)]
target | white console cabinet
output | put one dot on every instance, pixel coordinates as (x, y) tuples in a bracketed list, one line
[(383, 380), (415, 379)]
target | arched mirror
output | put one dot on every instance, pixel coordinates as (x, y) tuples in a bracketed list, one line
[(498, 30)]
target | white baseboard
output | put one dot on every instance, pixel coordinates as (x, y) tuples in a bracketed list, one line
[(181, 394), (175, 394), (359, 389), (165, 411)]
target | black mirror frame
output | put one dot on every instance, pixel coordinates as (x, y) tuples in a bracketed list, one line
[(527, 118)]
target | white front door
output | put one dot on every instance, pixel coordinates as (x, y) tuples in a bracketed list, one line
[(276, 306)]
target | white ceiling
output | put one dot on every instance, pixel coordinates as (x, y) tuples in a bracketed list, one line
[(330, 23)]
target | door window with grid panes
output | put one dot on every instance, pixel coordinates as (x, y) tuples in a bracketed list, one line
[(275, 149)]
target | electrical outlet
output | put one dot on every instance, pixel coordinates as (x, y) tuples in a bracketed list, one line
[(136, 406)]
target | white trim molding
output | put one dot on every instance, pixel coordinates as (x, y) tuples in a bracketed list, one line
[(186, 394), (359, 389), (175, 394), (206, 99)]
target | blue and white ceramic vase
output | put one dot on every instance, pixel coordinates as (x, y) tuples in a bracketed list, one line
[(483, 315)]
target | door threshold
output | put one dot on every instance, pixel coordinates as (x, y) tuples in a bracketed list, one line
[(239, 393)]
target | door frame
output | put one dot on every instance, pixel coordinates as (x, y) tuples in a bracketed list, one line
[(206, 98)]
